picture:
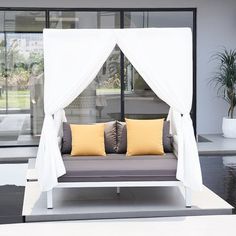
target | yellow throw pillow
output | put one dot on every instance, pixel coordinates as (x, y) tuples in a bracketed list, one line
[(88, 140), (144, 137)]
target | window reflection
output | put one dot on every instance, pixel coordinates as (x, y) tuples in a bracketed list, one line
[(80, 20), (22, 21), (100, 101), (140, 100), (21, 58)]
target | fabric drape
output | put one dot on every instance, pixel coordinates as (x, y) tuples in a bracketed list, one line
[(163, 57), (72, 59)]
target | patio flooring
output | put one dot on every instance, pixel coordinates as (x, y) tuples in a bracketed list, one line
[(104, 203), (168, 226)]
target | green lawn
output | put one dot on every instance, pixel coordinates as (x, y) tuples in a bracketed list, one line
[(104, 91), (16, 100), (21, 99)]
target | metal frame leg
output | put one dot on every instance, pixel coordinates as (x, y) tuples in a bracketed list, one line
[(188, 197), (117, 190), (49, 200)]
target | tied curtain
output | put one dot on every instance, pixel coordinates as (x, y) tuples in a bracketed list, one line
[(72, 59)]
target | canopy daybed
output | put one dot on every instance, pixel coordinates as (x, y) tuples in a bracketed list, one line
[(72, 59)]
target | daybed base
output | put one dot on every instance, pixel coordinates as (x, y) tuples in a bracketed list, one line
[(118, 185)]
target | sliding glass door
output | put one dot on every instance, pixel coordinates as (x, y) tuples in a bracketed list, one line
[(118, 91)]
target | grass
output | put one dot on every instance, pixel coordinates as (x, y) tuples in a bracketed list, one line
[(104, 91), (16, 100), (20, 100)]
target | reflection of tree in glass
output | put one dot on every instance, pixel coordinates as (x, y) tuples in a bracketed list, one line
[(36, 63), (36, 77), (2, 65), (16, 70), (111, 77), (19, 66)]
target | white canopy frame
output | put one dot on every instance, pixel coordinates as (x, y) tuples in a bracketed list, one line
[(73, 58)]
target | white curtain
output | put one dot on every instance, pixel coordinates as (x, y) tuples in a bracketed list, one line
[(72, 59), (163, 57)]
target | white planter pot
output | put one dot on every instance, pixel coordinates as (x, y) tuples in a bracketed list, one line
[(229, 127)]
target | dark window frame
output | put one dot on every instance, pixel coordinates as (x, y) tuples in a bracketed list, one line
[(121, 11)]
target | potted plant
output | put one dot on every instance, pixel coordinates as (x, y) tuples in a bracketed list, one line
[(225, 82)]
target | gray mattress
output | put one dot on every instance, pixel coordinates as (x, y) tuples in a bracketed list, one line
[(118, 167)]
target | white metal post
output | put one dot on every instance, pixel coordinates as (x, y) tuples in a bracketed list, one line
[(188, 197), (49, 199)]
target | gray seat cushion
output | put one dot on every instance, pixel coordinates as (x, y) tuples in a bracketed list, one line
[(118, 167)]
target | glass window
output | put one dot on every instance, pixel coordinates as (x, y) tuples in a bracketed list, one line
[(2, 75), (158, 19), (1, 21), (24, 50), (22, 21), (100, 101), (80, 20), (140, 100), (22, 81), (21, 76)]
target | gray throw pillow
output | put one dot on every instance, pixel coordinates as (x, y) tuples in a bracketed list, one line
[(167, 137), (109, 136), (66, 139), (122, 137)]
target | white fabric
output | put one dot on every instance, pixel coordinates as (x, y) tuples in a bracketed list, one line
[(72, 59), (163, 57)]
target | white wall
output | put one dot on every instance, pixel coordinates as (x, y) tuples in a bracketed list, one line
[(216, 28)]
